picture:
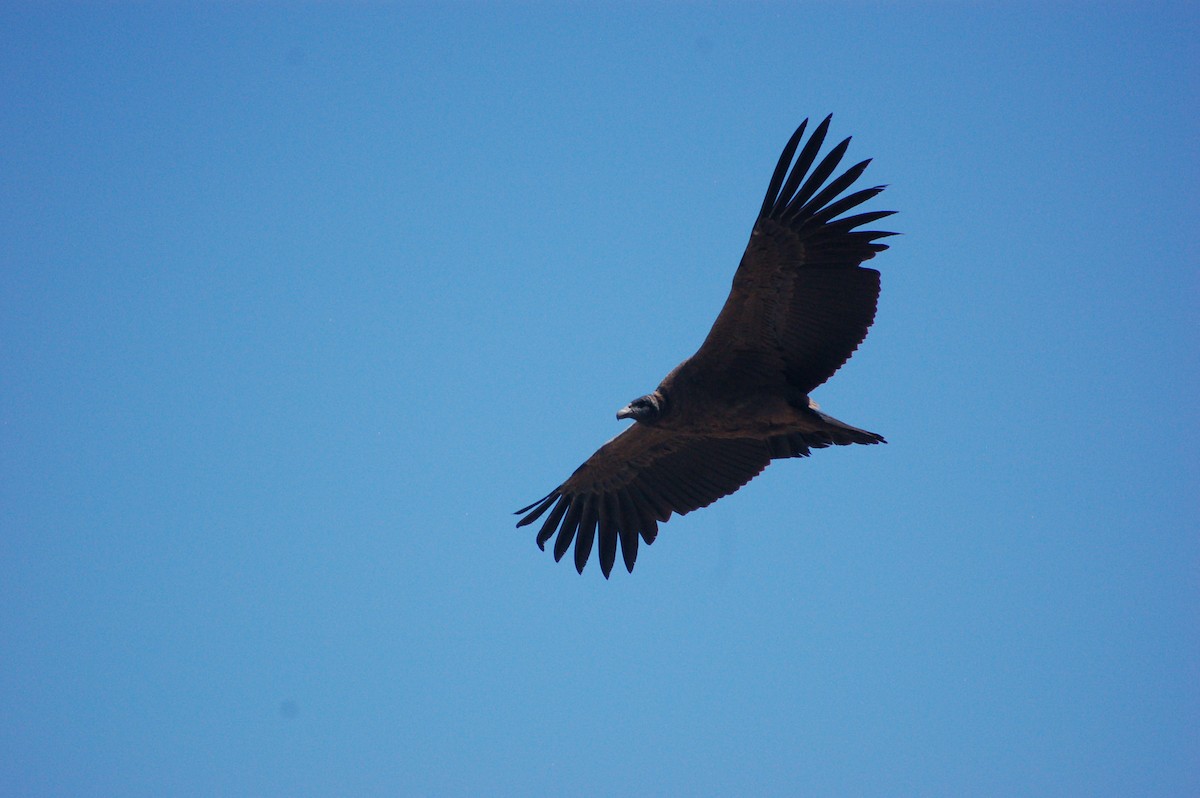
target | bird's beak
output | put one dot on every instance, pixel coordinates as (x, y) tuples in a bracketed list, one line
[(624, 412)]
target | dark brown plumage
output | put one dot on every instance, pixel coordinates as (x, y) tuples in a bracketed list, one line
[(801, 303)]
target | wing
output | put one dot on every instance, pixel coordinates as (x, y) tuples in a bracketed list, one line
[(633, 483), (801, 302)]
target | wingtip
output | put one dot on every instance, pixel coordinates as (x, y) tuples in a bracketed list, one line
[(545, 503)]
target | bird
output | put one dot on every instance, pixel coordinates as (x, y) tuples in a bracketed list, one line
[(800, 304)]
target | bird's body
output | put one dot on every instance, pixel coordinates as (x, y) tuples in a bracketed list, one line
[(800, 305)]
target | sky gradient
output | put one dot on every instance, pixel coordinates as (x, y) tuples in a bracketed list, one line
[(297, 305)]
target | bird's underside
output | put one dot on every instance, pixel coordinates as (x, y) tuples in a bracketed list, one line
[(800, 305)]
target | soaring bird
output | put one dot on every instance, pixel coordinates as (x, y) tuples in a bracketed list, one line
[(800, 304)]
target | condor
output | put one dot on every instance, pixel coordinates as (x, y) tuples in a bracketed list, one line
[(801, 303)]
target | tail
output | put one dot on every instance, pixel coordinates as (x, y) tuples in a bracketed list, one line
[(831, 432), (843, 434)]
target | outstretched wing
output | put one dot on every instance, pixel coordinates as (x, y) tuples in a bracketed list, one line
[(633, 483), (801, 301)]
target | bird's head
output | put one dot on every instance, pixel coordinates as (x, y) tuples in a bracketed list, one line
[(646, 409)]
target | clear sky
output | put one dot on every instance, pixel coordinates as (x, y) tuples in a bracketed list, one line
[(297, 305)]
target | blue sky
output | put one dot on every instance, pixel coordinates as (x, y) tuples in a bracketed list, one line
[(299, 304)]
